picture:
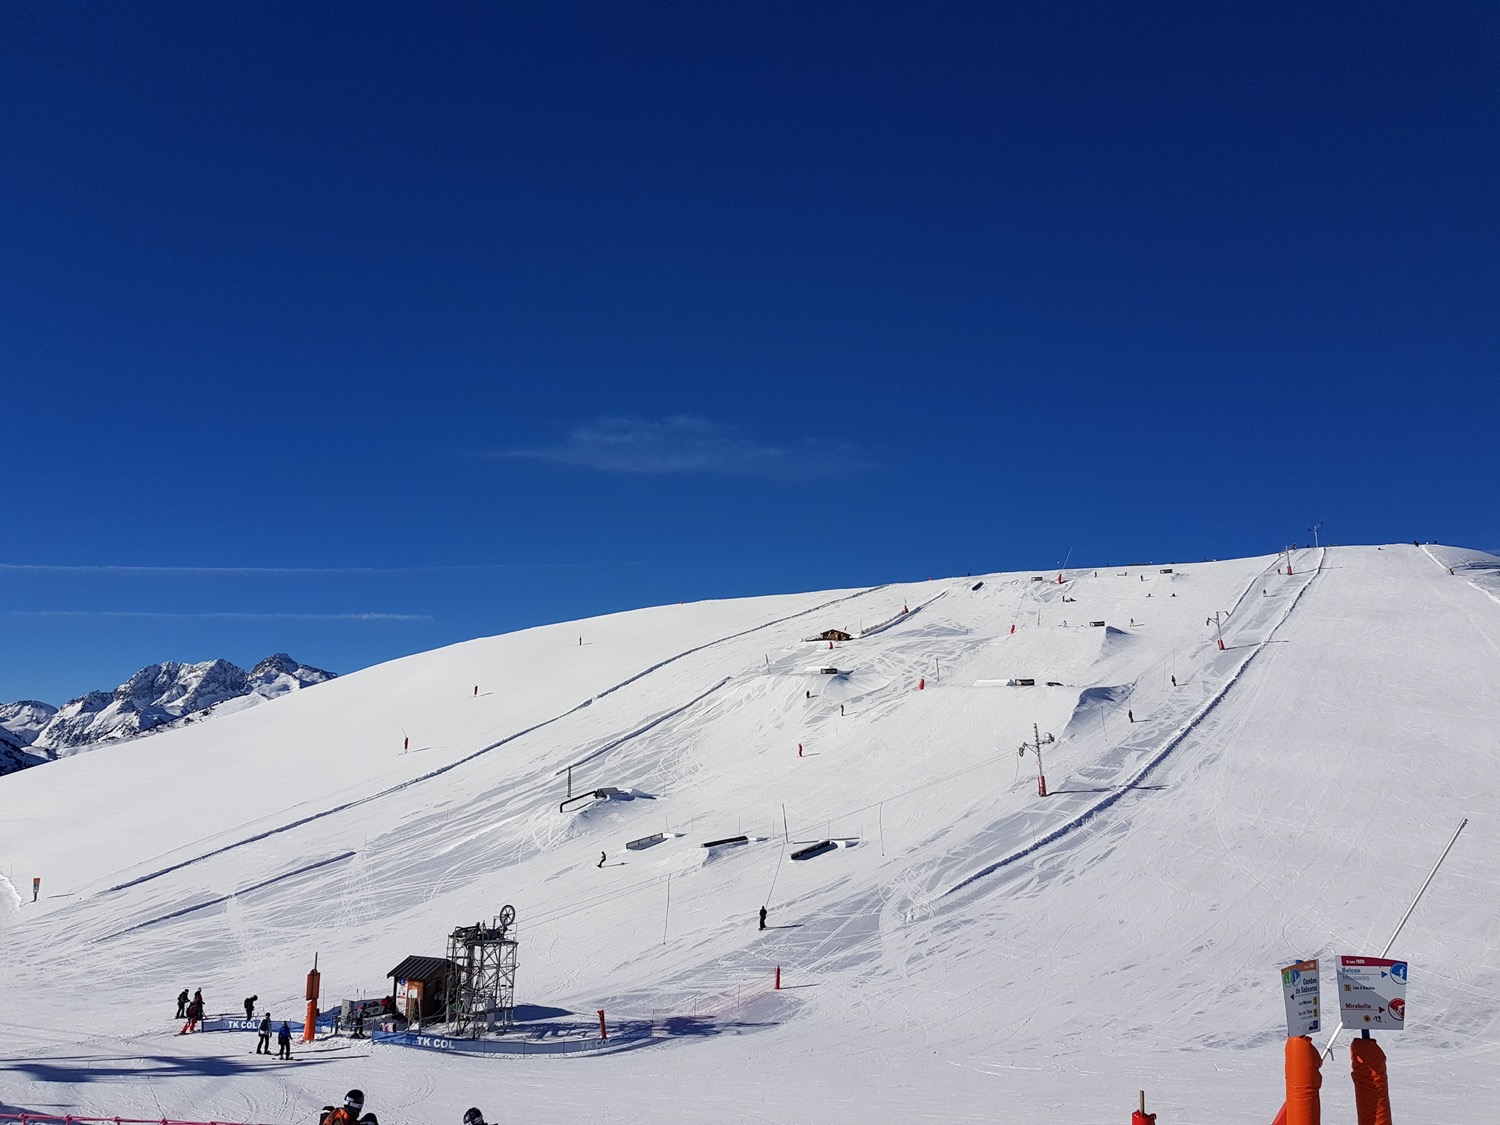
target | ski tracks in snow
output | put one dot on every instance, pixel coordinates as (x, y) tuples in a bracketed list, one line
[(401, 786), (1242, 630)]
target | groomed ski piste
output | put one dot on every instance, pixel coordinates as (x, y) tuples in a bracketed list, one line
[(965, 951)]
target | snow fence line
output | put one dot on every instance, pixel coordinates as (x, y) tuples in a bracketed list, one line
[(324, 1022), (630, 1033)]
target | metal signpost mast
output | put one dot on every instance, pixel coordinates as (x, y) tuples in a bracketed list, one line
[(1038, 740)]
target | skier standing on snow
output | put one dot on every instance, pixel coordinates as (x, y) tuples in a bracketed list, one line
[(263, 1044), (194, 1014), (762, 917), (284, 1041), (602, 858), (182, 999), (250, 1006)]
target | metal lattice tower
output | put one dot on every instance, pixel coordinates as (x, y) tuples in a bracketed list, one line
[(482, 988)]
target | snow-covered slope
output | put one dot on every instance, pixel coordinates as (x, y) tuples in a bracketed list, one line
[(970, 951)]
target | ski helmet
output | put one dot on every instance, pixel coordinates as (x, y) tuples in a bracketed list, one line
[(472, 1116), (354, 1099)]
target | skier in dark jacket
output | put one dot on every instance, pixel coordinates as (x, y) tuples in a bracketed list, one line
[(182, 1000), (284, 1041), (250, 1006), (472, 1116), (263, 1045)]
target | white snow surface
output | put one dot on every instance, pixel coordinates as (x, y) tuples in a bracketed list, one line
[(972, 952)]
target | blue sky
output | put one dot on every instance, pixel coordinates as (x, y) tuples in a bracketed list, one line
[(352, 330)]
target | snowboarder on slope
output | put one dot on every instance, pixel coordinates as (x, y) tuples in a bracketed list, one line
[(602, 858), (263, 1044), (284, 1041)]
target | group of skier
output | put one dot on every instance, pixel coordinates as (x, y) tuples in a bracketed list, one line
[(283, 1038), (192, 1011), (354, 1101)]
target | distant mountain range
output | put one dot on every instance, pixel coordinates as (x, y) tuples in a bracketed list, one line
[(158, 697)]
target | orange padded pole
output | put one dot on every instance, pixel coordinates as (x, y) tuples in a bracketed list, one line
[(1372, 1097), (1304, 1077)]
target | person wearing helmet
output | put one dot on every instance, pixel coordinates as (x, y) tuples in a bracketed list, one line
[(472, 1116), (348, 1113)]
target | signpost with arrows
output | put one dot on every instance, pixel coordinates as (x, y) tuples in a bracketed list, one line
[(1372, 993)]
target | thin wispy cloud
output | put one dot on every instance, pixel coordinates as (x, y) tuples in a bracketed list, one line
[(684, 444), (252, 571), (220, 614)]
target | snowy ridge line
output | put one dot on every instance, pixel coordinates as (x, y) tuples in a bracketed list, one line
[(1466, 565), (735, 636), (640, 730), (1072, 825), (232, 894), (440, 770)]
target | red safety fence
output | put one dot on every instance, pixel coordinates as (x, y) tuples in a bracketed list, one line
[(67, 1119)]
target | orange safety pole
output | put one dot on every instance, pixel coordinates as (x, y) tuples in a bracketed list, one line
[(310, 1020), (603, 1034), (1304, 1077), (1372, 1096)]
